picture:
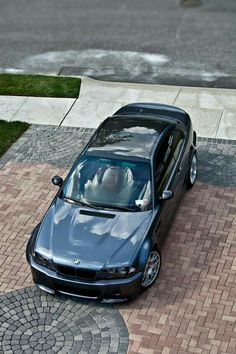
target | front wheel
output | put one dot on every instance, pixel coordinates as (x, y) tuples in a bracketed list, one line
[(152, 269), (192, 173)]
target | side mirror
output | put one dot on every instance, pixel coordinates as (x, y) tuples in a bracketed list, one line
[(166, 195), (57, 181)]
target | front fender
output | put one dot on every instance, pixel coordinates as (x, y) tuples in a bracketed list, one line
[(31, 242), (144, 253)]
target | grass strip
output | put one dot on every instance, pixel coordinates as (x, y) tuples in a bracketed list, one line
[(39, 85), (9, 133)]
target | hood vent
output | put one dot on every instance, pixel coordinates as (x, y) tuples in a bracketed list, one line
[(97, 214)]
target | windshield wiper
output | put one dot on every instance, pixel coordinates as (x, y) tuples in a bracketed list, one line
[(80, 202), (97, 205), (114, 207), (124, 208)]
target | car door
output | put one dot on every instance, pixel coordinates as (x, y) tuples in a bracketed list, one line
[(177, 179), (168, 176)]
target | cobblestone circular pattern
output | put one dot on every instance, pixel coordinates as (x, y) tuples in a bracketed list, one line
[(35, 322), (58, 146)]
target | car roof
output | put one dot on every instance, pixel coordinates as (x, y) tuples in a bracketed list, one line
[(155, 109), (129, 136)]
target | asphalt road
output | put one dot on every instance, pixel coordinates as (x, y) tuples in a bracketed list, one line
[(153, 41)]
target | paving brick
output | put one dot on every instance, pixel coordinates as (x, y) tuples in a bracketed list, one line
[(191, 308), (197, 274)]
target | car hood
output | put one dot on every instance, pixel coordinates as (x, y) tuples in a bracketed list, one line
[(97, 238)]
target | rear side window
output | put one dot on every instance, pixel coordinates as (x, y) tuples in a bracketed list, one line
[(178, 138)]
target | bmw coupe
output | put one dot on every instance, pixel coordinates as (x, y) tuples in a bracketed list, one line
[(101, 237)]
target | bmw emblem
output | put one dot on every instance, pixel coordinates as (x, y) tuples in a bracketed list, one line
[(77, 261)]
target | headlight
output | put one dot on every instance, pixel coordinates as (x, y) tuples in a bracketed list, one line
[(122, 272), (110, 270), (40, 259)]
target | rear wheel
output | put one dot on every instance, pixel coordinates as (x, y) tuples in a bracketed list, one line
[(192, 174), (152, 269)]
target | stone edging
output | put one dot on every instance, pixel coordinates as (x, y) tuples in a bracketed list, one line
[(36, 127)]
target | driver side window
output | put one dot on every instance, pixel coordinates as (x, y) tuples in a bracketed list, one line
[(166, 157), (164, 162)]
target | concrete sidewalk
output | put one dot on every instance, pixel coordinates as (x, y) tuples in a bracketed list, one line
[(213, 111)]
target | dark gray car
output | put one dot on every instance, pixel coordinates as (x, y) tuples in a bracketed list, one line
[(102, 234)]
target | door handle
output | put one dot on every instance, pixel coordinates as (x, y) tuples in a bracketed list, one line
[(179, 170)]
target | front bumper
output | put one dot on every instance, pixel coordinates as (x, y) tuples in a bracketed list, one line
[(109, 289)]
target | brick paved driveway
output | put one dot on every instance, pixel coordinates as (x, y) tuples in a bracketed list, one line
[(192, 307)]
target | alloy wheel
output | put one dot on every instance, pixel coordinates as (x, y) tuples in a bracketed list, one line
[(152, 269), (193, 169)]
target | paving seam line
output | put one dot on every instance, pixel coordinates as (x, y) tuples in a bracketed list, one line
[(68, 111), (177, 95), (218, 125), (22, 104)]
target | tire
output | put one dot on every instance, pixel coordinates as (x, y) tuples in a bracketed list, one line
[(152, 269), (192, 173), (27, 250)]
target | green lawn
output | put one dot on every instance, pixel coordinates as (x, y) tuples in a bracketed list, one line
[(9, 133), (39, 85)]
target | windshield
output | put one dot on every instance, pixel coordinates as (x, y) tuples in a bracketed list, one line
[(110, 183)]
